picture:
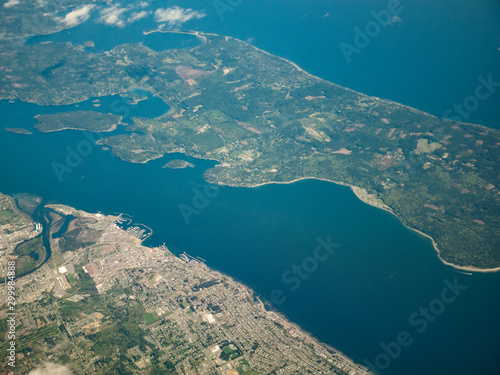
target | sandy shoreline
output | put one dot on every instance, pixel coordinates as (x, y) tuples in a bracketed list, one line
[(356, 190), (198, 34), (109, 130), (112, 127)]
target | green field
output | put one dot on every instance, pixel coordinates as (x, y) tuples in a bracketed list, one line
[(29, 246), (6, 216), (198, 361), (45, 332), (71, 278), (80, 120), (151, 317), (31, 255)]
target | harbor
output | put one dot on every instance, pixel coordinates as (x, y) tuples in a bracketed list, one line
[(140, 231)]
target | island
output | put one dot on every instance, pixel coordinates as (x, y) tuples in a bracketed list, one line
[(18, 131), (178, 164), (77, 120)]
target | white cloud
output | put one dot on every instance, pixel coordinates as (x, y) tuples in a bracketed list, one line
[(136, 16), (77, 16), (11, 3), (113, 16), (51, 369), (176, 15)]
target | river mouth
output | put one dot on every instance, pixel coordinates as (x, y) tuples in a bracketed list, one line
[(34, 252)]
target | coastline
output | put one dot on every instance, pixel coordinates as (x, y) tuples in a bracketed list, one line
[(286, 322), (320, 347), (203, 36), (308, 336), (388, 101), (200, 35), (356, 190), (362, 194), (111, 129)]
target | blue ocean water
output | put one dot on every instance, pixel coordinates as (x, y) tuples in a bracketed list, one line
[(105, 38), (362, 297)]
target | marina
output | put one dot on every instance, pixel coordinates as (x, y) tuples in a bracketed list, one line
[(190, 259), (140, 231)]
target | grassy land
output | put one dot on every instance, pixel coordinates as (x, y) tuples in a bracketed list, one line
[(29, 246), (46, 332), (5, 216), (72, 278), (79, 120), (151, 317), (30, 254)]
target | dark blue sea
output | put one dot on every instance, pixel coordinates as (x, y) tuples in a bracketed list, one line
[(377, 283)]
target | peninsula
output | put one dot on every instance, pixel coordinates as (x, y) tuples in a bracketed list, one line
[(265, 120)]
